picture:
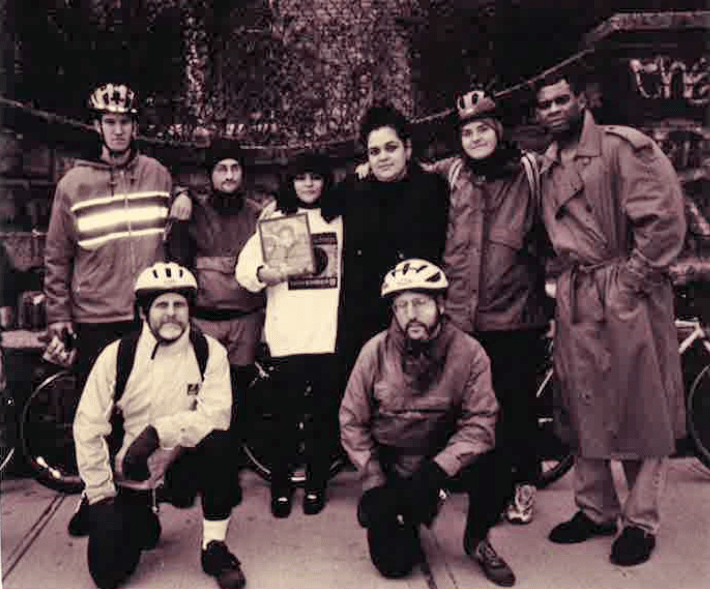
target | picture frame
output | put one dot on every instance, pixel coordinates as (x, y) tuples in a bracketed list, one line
[(287, 244)]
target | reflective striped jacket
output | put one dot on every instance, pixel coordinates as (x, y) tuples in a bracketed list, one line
[(107, 225)]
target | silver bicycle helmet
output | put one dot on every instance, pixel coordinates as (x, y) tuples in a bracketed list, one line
[(414, 274)]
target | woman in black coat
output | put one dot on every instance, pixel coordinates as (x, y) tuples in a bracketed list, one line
[(398, 212)]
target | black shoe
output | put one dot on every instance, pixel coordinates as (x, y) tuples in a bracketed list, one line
[(579, 529), (151, 530), (281, 501), (633, 546), (220, 563), (313, 502), (79, 522), (494, 567)]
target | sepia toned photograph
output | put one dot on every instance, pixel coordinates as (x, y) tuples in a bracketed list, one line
[(354, 294)]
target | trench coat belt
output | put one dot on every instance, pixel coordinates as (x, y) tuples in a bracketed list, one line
[(577, 269)]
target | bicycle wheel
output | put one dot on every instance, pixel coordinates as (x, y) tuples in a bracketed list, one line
[(46, 432), (556, 456), (7, 430), (699, 415), (261, 431)]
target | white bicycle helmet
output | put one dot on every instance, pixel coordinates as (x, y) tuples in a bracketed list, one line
[(113, 99), (164, 277), (414, 274)]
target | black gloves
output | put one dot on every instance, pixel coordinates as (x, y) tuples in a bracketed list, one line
[(420, 492), (377, 504), (416, 498), (135, 461)]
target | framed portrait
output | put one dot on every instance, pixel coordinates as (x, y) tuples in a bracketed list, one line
[(286, 244)]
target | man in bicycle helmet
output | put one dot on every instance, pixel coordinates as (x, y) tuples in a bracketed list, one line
[(107, 223), (169, 421), (418, 416)]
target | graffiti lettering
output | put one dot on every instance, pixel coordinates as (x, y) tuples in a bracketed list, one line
[(664, 78)]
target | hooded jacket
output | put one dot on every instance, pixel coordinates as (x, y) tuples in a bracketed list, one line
[(449, 416), (106, 227), (492, 255), (210, 243)]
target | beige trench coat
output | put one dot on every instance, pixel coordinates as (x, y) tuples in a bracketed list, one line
[(615, 215)]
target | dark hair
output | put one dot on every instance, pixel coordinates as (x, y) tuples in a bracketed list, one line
[(572, 77), (384, 115), (287, 201)]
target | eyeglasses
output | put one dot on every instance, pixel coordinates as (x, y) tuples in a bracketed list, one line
[(417, 304)]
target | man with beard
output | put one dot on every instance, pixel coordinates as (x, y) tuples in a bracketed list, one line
[(419, 416), (168, 421), (209, 243), (613, 209)]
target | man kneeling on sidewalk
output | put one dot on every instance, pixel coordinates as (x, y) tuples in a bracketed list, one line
[(168, 417), (418, 416)]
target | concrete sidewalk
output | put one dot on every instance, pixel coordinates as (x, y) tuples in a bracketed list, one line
[(329, 550)]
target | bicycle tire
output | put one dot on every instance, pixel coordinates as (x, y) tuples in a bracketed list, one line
[(257, 445), (698, 410), (7, 430), (46, 433), (556, 458)]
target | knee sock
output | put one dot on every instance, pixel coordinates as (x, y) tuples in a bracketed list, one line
[(214, 530)]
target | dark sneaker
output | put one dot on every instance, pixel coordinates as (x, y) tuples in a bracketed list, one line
[(221, 564), (579, 529), (281, 500), (79, 522), (313, 502), (633, 546), (494, 567)]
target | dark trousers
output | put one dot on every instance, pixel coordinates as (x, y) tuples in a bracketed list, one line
[(91, 339), (515, 360), (394, 547), (293, 375), (115, 546)]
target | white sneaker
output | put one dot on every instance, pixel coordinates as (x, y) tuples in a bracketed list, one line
[(520, 510)]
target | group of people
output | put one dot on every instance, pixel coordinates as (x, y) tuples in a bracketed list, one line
[(419, 331)]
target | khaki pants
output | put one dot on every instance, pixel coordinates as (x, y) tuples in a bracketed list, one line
[(597, 497)]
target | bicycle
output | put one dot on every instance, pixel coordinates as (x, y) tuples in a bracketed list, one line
[(694, 349), (260, 429)]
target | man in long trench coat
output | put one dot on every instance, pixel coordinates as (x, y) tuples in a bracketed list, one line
[(613, 209)]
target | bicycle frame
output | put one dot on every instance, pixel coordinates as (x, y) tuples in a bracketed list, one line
[(697, 333)]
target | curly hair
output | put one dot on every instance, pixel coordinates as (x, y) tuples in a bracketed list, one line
[(384, 115)]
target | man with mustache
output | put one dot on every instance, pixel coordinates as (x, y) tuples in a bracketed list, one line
[(419, 416), (170, 422), (209, 243)]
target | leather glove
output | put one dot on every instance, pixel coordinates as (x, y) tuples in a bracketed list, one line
[(135, 461), (420, 492), (377, 504)]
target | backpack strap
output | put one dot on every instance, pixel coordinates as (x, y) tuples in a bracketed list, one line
[(532, 171), (124, 363), (125, 359), (201, 347), (454, 172)]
